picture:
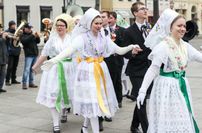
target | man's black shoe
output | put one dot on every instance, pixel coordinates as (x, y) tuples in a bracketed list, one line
[(120, 105), (135, 130), (8, 84), (15, 82), (1, 90), (131, 97), (108, 119)]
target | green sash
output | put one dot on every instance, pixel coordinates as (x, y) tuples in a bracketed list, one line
[(62, 94), (179, 76)]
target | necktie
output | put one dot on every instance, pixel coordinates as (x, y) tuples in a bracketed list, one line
[(143, 29), (111, 29), (106, 32)]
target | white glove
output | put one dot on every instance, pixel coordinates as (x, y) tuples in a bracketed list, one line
[(151, 73), (47, 65), (140, 99), (124, 50), (65, 53)]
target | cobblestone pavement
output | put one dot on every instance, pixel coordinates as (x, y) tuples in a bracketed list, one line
[(20, 114)]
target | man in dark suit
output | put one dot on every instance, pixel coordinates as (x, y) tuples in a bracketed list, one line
[(138, 64), (115, 62)]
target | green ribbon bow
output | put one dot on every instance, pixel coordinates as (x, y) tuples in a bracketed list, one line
[(62, 94), (179, 76)]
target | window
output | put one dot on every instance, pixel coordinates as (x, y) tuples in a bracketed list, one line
[(1, 5), (45, 13), (22, 14), (85, 8)]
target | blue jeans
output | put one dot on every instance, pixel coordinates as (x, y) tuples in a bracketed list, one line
[(28, 76)]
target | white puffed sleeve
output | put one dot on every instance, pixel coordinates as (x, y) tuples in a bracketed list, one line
[(77, 43), (193, 54), (159, 54), (47, 48)]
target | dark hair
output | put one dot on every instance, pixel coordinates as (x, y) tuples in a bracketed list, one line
[(10, 23), (107, 12), (178, 17), (62, 20), (134, 7), (98, 16), (114, 14)]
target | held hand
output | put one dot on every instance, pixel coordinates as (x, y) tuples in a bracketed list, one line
[(136, 49), (35, 69), (47, 65), (140, 99)]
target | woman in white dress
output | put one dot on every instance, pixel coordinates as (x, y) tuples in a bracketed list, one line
[(170, 105), (93, 89), (55, 90)]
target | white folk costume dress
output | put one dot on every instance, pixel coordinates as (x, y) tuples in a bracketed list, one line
[(93, 89), (168, 111), (170, 105), (86, 101), (49, 86)]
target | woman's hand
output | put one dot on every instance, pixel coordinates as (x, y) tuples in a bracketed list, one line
[(34, 69), (140, 99), (136, 49)]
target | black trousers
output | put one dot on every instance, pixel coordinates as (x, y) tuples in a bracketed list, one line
[(139, 115), (12, 67), (115, 74), (2, 74)]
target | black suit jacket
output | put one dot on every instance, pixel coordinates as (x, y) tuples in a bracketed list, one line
[(116, 61), (137, 64)]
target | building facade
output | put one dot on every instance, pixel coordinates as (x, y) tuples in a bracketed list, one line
[(33, 11), (191, 9)]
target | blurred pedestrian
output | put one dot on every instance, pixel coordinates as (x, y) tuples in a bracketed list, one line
[(115, 62), (29, 40), (14, 53), (138, 64)]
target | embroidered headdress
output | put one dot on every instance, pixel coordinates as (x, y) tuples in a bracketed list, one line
[(161, 29), (67, 18), (85, 22)]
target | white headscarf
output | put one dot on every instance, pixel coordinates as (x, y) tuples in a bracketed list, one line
[(161, 29), (67, 18), (84, 24)]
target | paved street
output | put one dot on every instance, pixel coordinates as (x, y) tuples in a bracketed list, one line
[(20, 114)]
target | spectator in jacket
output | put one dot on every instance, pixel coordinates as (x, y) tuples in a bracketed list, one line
[(29, 41), (14, 54)]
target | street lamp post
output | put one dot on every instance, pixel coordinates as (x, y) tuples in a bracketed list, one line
[(156, 10)]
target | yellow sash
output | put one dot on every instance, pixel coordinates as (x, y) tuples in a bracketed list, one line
[(98, 73)]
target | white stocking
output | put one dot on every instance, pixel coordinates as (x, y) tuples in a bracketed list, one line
[(64, 112), (55, 117), (85, 125), (94, 124)]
